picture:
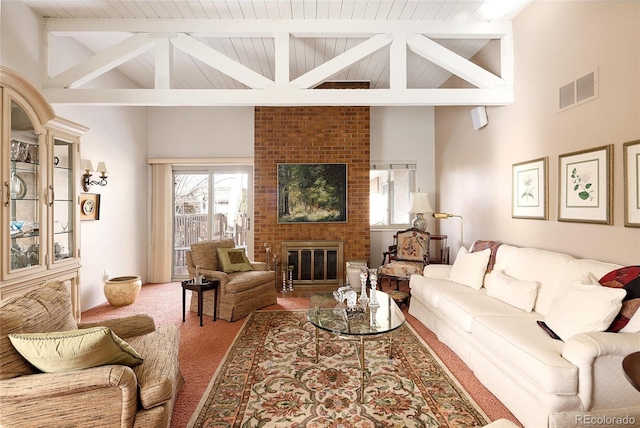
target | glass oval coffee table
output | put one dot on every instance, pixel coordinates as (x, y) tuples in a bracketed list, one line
[(327, 314)]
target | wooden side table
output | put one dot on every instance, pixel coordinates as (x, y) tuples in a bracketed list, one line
[(631, 367), (207, 284)]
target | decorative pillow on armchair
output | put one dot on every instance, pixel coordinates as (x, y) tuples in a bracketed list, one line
[(74, 349), (412, 246), (233, 260)]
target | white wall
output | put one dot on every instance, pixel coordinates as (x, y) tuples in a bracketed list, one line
[(200, 132), (474, 167), (403, 134)]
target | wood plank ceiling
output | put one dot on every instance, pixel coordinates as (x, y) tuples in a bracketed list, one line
[(242, 52)]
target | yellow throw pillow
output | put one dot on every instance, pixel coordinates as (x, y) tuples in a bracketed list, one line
[(74, 349), (233, 260)]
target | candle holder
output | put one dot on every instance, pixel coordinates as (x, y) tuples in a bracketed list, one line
[(364, 300), (290, 281), (285, 288), (267, 249), (373, 322), (373, 279)]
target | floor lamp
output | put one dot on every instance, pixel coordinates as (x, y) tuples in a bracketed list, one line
[(444, 216)]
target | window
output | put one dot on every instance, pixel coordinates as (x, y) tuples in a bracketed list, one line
[(209, 204), (389, 187)]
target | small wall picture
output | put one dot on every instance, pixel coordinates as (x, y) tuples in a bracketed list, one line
[(530, 183), (586, 187), (631, 159), (89, 206)]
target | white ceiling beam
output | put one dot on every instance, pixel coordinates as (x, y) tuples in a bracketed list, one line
[(281, 60), (398, 62), (268, 28), (281, 97), (342, 61), (102, 62), (453, 62), (221, 62), (163, 63)]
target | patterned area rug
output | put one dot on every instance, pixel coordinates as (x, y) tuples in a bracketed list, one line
[(269, 378)]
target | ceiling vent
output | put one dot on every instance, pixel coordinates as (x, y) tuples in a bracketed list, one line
[(579, 91)]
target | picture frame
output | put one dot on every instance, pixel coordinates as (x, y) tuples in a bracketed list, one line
[(530, 189), (585, 193), (312, 192), (89, 206), (631, 162)]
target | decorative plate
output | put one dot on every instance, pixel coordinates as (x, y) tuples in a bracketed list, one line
[(88, 207)]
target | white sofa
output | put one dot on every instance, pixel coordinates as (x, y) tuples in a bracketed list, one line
[(543, 381)]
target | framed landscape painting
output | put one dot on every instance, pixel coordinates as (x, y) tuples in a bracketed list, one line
[(530, 185), (631, 159), (585, 186), (312, 193)]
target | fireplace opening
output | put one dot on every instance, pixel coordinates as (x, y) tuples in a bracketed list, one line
[(314, 263)]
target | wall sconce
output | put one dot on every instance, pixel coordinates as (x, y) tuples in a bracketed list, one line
[(419, 205), (444, 216), (88, 169)]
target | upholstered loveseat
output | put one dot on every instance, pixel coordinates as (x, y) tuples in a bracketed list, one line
[(112, 395), (490, 320), (243, 288)]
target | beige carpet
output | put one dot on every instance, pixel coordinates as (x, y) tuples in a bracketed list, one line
[(203, 348), (270, 378)]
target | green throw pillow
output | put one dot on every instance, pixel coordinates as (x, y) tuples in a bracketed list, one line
[(233, 260), (74, 349)]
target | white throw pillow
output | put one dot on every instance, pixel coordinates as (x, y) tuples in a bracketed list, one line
[(469, 268), (582, 308), (515, 292)]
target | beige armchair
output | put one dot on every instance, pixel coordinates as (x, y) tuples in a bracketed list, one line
[(239, 293), (107, 396)]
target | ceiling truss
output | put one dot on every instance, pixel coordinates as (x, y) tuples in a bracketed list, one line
[(163, 36)]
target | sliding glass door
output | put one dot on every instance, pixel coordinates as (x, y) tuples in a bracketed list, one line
[(211, 204)]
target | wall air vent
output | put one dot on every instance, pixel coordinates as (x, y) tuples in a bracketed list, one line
[(579, 91)]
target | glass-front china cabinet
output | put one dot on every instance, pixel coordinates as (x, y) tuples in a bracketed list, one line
[(40, 182)]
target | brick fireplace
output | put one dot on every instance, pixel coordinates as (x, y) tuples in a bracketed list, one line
[(324, 134)]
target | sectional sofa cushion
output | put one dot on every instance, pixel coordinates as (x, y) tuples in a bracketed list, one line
[(583, 307), (469, 268), (518, 293), (519, 343), (63, 351)]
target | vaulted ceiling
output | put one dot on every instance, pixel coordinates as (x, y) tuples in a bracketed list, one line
[(268, 52)]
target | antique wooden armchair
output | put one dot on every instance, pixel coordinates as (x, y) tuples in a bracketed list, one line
[(408, 255)]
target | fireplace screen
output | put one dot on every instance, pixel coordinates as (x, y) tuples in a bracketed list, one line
[(314, 262)]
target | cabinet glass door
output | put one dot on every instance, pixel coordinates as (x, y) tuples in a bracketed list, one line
[(63, 201), (24, 192)]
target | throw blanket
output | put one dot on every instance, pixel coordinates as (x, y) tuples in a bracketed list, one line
[(483, 245)]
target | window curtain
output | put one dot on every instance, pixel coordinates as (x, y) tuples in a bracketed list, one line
[(161, 217)]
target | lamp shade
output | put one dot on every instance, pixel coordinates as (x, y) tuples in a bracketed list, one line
[(86, 165), (102, 168), (419, 203)]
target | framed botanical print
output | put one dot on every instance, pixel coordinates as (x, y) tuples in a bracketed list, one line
[(631, 160), (530, 189), (89, 206), (585, 191)]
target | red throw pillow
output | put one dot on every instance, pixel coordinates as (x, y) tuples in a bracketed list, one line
[(627, 277)]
